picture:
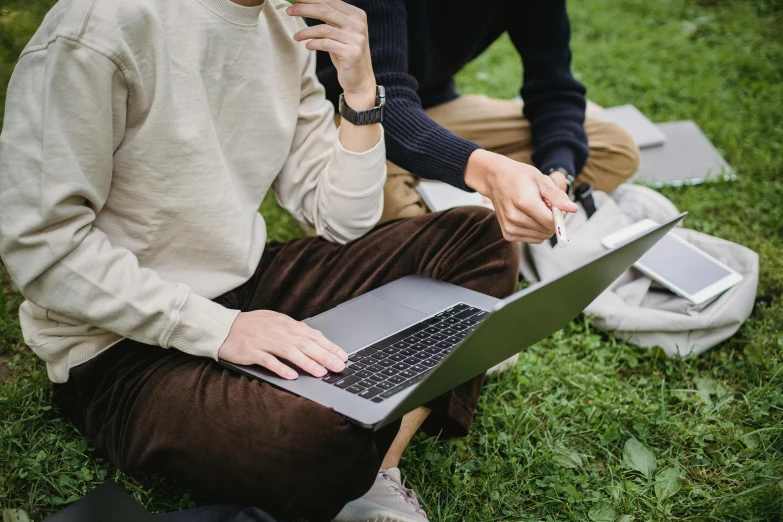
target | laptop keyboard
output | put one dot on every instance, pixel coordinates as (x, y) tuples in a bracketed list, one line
[(389, 366)]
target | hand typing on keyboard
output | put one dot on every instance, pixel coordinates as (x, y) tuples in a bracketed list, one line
[(264, 337), (403, 359)]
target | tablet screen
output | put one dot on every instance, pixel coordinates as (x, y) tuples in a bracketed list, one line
[(684, 267)]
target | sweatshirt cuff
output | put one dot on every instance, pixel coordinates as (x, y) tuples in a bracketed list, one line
[(202, 328), (356, 174), (557, 157)]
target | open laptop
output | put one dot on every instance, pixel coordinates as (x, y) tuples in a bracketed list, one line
[(416, 338)]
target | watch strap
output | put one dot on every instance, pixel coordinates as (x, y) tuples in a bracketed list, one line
[(368, 117)]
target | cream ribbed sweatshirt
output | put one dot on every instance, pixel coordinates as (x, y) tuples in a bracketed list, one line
[(140, 138)]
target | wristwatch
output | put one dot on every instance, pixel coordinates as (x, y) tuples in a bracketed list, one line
[(368, 117), (569, 179)]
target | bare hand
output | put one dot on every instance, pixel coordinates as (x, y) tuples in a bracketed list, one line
[(264, 337), (345, 37), (523, 197), (560, 180)]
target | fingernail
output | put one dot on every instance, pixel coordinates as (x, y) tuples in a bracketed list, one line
[(338, 364), (320, 371), (289, 9), (291, 374), (342, 355)]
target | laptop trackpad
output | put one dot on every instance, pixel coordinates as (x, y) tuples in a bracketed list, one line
[(363, 321)]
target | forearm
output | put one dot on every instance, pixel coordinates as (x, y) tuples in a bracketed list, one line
[(324, 183), (89, 281), (480, 172), (421, 146), (554, 99), (350, 195), (360, 138), (337, 191), (559, 136)]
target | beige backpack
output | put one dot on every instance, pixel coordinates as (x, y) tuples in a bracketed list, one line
[(629, 309)]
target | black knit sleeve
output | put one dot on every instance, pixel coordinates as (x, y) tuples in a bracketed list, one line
[(413, 140), (554, 99)]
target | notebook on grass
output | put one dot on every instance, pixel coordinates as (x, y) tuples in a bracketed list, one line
[(644, 132), (441, 196), (687, 157)]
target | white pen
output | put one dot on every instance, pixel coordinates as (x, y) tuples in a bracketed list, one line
[(560, 230)]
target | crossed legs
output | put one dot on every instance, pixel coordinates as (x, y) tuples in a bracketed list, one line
[(241, 440)]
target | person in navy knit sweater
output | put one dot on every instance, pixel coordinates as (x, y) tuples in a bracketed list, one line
[(495, 147)]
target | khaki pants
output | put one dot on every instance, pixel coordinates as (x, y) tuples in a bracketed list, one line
[(499, 126)]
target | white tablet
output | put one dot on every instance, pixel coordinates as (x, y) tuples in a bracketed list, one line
[(679, 266)]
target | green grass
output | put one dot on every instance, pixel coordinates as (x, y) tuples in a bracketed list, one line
[(549, 438)]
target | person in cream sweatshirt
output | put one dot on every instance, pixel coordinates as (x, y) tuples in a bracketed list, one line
[(137, 148), (140, 139)]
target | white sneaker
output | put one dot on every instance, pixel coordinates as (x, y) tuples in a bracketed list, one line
[(387, 501), (504, 365)]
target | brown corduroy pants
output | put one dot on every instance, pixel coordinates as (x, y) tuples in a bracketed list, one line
[(242, 440)]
